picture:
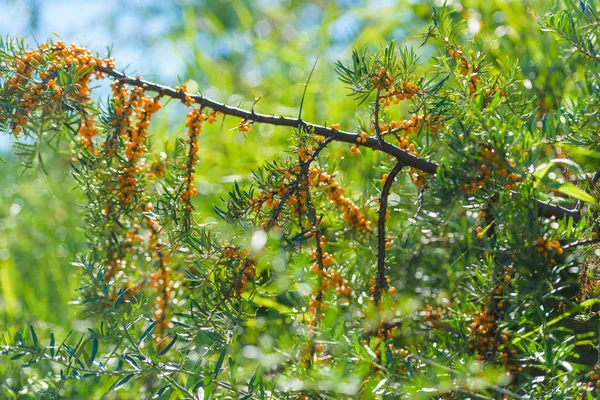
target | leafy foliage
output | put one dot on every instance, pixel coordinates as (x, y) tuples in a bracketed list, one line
[(324, 278)]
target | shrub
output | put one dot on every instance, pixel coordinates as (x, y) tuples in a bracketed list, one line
[(462, 265)]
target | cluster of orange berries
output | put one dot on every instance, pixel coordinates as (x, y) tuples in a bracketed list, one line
[(395, 95), (135, 143), (489, 94), (593, 385), (388, 242), (474, 76), (23, 69), (361, 139), (305, 153), (486, 335), (87, 131), (211, 117), (492, 163), (384, 334), (58, 56), (329, 277), (195, 118), (434, 316), (29, 100), (161, 281), (295, 197), (588, 278), (407, 127), (335, 193), (246, 268), (547, 248), (123, 102), (465, 67), (383, 80), (187, 99), (84, 61), (373, 288), (244, 125)]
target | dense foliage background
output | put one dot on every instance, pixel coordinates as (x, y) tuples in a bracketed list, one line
[(449, 251)]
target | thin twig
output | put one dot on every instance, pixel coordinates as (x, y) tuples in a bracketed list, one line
[(581, 242), (306, 87)]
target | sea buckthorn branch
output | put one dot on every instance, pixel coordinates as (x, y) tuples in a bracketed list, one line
[(243, 268), (380, 281), (281, 192), (486, 333), (195, 118), (301, 178), (544, 208), (136, 146), (75, 64), (160, 281), (341, 136)]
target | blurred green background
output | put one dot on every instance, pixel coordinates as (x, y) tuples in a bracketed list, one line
[(239, 52)]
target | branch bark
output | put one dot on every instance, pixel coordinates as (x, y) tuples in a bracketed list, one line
[(380, 280)]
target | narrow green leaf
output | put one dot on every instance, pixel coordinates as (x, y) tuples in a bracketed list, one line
[(147, 332), (220, 362), (573, 191), (168, 346), (17, 356), (52, 342), (34, 336), (123, 381), (94, 350)]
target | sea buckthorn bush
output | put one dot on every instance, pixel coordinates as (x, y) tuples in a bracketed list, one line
[(463, 264)]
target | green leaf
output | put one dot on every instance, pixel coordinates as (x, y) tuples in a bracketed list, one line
[(52, 342), (589, 303), (168, 346), (220, 362), (94, 350), (147, 332), (573, 191), (34, 336), (17, 356), (123, 381)]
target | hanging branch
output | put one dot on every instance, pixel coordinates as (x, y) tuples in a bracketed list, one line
[(380, 281)]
